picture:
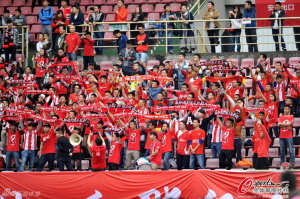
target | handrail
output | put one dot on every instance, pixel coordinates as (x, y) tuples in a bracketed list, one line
[(197, 5)]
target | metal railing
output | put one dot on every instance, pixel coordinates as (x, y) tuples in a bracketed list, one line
[(23, 42), (200, 32)]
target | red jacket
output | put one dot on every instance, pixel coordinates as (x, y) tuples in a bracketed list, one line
[(88, 47), (122, 14), (144, 46), (55, 28), (73, 40)]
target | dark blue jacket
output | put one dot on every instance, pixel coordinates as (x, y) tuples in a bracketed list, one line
[(122, 42), (250, 13)]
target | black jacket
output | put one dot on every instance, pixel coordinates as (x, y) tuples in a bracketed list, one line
[(64, 147)]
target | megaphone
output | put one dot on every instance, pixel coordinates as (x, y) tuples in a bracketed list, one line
[(75, 139)]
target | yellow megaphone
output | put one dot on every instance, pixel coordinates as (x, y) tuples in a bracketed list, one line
[(75, 139)]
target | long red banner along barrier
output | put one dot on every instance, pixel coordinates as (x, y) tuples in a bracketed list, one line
[(188, 184)]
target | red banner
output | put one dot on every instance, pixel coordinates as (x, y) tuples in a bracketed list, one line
[(142, 184), (264, 10)]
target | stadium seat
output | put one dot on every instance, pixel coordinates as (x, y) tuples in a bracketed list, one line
[(72, 2), (106, 9), (249, 123), (128, 2), (175, 7), (154, 16), (28, 3), (115, 8), (110, 18), (275, 163), (36, 29), (296, 122), (11, 10), (19, 3), (159, 8), (267, 60), (152, 63), (112, 2), (55, 9), (167, 1), (85, 164), (129, 17), (276, 143), (26, 10), (208, 153), (82, 8), (153, 1), (85, 2), (31, 20), (250, 153), (4, 3), (280, 59), (99, 2), (294, 60), (108, 36), (235, 62), (212, 163), (273, 152), (1, 9), (132, 8), (36, 10), (180, 1), (147, 8), (140, 2), (106, 65), (247, 62)]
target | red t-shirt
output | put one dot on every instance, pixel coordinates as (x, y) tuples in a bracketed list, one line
[(182, 145), (73, 40), (48, 140), (194, 137), (88, 47), (134, 137), (157, 158), (13, 141), (227, 138), (39, 70), (181, 96), (255, 138), (74, 97), (114, 152), (98, 157), (286, 132), (263, 143), (273, 115), (166, 142)]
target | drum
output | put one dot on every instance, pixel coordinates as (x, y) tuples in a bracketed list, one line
[(143, 164)]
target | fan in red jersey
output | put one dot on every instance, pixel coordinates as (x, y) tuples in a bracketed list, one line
[(182, 146), (155, 151), (98, 154), (114, 152)]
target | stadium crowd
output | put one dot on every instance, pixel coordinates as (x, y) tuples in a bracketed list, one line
[(171, 111)]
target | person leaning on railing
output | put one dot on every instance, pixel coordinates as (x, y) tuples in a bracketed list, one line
[(212, 26)]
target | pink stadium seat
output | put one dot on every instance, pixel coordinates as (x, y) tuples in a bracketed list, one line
[(106, 65), (180, 1), (148, 8), (112, 2), (72, 2), (115, 8), (12, 10), (247, 62), (153, 1), (19, 3), (249, 123), (128, 2), (1, 9), (159, 8), (129, 17), (31, 20), (110, 18), (32, 37), (26, 10), (131, 8), (208, 153), (212, 163), (140, 2), (273, 152), (235, 61), (82, 8), (294, 60), (106, 9), (296, 122), (152, 62), (275, 163), (154, 16), (106, 26), (55, 9), (280, 59), (276, 143), (167, 1), (4, 3), (28, 3), (108, 36), (267, 60), (99, 2), (175, 7), (36, 10), (85, 2), (36, 29)]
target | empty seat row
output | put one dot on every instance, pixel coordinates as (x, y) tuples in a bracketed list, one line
[(250, 62)]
